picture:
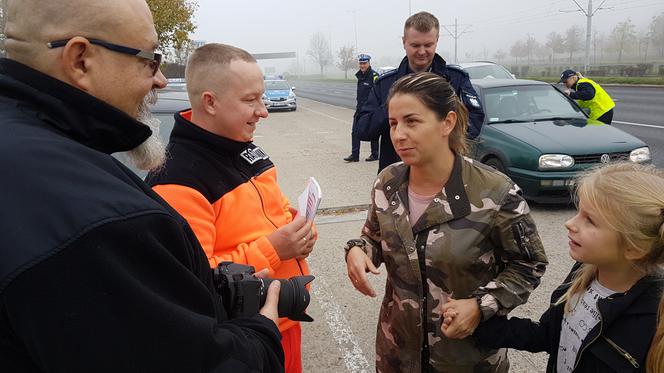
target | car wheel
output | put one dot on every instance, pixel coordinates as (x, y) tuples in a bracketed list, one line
[(293, 109), (496, 164)]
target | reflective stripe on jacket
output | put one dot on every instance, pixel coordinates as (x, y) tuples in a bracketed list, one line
[(600, 104)]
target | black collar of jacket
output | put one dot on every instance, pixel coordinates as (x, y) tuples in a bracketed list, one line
[(362, 75), (186, 131), (642, 297), (78, 115), (454, 188), (438, 66)]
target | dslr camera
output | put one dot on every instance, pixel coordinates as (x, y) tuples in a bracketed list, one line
[(244, 295)]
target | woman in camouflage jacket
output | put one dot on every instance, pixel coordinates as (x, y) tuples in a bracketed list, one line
[(448, 229)]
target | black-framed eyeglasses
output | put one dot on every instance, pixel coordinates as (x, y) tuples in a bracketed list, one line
[(154, 58)]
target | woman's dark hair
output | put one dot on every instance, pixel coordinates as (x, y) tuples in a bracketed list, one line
[(439, 96)]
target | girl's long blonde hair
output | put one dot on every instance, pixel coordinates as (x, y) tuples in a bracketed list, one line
[(655, 360), (630, 198)]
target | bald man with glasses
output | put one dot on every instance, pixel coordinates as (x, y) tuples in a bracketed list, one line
[(97, 272)]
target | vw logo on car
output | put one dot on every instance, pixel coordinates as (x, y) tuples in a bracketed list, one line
[(605, 158)]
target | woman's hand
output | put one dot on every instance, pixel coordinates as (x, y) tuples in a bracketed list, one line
[(461, 317), (358, 264)]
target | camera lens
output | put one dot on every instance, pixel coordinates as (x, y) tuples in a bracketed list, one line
[(293, 297)]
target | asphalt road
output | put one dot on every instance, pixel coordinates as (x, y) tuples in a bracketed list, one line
[(639, 110)]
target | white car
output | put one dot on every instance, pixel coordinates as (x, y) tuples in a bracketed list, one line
[(383, 69), (486, 70)]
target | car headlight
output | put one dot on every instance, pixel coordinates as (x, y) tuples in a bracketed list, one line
[(291, 96), (265, 98), (549, 161), (640, 155)]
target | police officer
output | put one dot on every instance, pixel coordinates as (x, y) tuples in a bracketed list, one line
[(366, 77), (589, 95), (419, 40)]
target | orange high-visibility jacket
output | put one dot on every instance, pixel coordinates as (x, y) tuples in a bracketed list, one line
[(228, 192)]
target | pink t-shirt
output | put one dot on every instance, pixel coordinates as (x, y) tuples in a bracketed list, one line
[(417, 204)]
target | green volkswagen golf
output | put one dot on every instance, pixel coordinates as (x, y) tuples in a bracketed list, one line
[(541, 139)]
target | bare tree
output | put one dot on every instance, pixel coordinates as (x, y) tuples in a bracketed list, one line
[(644, 42), (531, 46), (598, 42), (485, 53), (347, 59), (572, 41), (500, 55), (517, 50), (319, 50), (622, 36), (657, 33), (556, 44)]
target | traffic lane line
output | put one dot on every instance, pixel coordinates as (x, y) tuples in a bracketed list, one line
[(638, 124), (325, 115), (352, 354)]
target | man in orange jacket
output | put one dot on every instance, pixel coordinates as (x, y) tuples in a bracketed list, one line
[(225, 185)]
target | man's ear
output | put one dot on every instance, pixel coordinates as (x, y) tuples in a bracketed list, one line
[(77, 58), (209, 102)]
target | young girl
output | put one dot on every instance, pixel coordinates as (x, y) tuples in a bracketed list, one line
[(603, 317)]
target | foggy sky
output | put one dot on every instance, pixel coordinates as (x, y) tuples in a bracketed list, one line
[(261, 26)]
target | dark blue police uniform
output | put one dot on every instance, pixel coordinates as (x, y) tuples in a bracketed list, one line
[(365, 82), (372, 123)]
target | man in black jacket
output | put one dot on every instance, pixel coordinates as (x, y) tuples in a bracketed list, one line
[(366, 77), (420, 40), (97, 272)]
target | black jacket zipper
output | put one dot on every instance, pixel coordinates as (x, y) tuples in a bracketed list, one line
[(623, 352)]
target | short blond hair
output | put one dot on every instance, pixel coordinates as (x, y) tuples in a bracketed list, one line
[(208, 65), (422, 22)]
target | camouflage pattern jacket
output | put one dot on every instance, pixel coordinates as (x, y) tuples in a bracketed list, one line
[(475, 239)]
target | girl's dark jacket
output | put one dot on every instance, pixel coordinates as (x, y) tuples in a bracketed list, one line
[(619, 343)]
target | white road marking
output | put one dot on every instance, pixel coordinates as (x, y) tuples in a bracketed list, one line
[(639, 124), (350, 350), (325, 103), (324, 133), (326, 115)]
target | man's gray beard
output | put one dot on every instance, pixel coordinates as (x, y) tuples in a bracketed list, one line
[(151, 154)]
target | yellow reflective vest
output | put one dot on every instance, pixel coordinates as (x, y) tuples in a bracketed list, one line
[(600, 104)]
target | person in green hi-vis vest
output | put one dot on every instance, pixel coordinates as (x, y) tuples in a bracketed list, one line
[(589, 95)]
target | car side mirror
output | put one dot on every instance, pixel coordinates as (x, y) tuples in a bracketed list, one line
[(292, 88)]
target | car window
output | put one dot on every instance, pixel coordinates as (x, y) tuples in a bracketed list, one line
[(271, 85), (488, 72), (527, 103)]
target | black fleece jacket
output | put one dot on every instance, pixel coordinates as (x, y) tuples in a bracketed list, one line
[(97, 272), (619, 343)]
